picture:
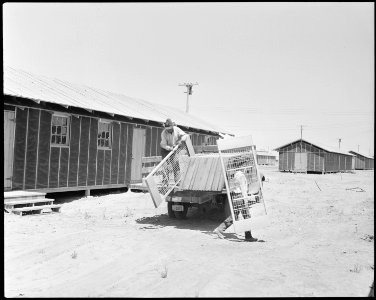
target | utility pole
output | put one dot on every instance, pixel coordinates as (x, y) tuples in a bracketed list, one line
[(358, 148), (339, 144), (301, 131), (301, 136), (189, 92)]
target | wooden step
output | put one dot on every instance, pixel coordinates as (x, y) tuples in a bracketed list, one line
[(13, 195), (27, 201), (138, 186), (38, 209)]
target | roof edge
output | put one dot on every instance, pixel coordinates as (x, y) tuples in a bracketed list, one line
[(303, 140)]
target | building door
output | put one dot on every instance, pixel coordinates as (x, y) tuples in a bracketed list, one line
[(300, 162), (9, 124), (138, 151)]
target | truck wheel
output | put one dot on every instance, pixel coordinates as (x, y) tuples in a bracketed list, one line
[(170, 211), (182, 214)]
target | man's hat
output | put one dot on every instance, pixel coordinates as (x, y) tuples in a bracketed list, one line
[(169, 123)]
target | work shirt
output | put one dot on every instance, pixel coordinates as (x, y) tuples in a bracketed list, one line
[(241, 185), (169, 140)]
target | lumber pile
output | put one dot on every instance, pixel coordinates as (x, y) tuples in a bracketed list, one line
[(204, 173)]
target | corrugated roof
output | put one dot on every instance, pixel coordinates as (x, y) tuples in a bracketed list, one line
[(357, 153), (23, 84), (328, 149)]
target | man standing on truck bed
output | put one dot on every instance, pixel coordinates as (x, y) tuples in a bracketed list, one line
[(171, 136)]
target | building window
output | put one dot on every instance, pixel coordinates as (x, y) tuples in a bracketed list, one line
[(104, 134), (60, 130), (210, 140)]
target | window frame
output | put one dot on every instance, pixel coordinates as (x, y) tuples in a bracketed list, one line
[(110, 134), (68, 132)]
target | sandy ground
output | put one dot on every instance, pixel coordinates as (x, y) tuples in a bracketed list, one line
[(317, 243)]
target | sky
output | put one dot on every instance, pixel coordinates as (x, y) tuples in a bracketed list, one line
[(276, 71)]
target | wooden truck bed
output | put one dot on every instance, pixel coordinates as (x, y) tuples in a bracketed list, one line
[(204, 173)]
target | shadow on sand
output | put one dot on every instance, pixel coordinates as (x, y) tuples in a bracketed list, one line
[(66, 197), (205, 222), (196, 220)]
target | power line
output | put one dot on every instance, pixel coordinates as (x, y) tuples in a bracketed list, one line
[(284, 110)]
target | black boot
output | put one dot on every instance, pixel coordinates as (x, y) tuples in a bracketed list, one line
[(249, 237)]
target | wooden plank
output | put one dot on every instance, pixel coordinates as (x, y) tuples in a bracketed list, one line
[(115, 152), (138, 150), (92, 161), (188, 175), (107, 167), (204, 170), (22, 194), (84, 152), (27, 201), (31, 149), (218, 180), (21, 214), (128, 156), (54, 167), (193, 168), (221, 183), (19, 149), (74, 151), (193, 179), (205, 173), (99, 166), (9, 126), (188, 143), (155, 196), (217, 173), (154, 141), (195, 174), (148, 137), (210, 148), (198, 175), (147, 170), (63, 172), (213, 169), (75, 188), (158, 148), (152, 159), (40, 207), (123, 149), (184, 178)]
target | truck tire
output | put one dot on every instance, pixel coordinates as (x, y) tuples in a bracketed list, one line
[(182, 214), (171, 213)]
